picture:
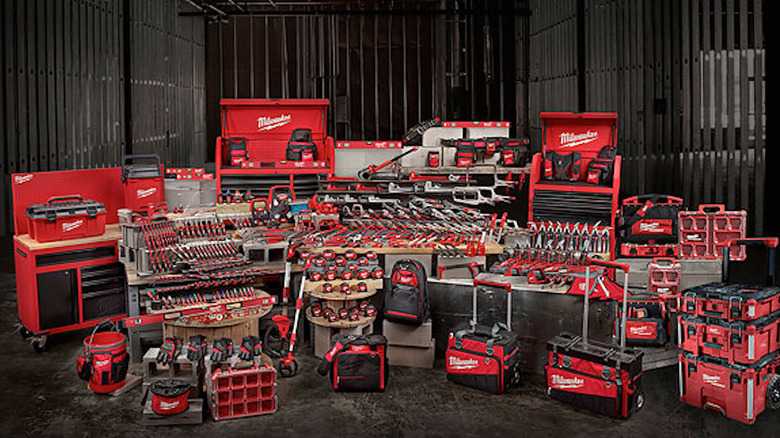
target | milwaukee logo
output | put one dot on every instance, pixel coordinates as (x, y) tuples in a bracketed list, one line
[(570, 139), (168, 406), (269, 123), (640, 331), (650, 227), (21, 179), (145, 193), (70, 226), (694, 237), (560, 382), (457, 363), (101, 363), (712, 380)]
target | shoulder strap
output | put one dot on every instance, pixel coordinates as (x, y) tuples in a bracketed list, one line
[(639, 214)]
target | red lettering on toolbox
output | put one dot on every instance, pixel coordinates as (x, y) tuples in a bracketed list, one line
[(652, 226)]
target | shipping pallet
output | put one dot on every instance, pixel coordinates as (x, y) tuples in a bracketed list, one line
[(193, 415)]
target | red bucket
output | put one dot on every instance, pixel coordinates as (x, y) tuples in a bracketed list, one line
[(105, 354)]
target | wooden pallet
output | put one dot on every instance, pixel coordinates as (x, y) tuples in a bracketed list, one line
[(193, 415)]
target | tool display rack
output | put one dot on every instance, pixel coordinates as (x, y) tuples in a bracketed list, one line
[(337, 300)]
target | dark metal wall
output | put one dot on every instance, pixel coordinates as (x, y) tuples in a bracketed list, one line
[(383, 70), (687, 79), (65, 70)]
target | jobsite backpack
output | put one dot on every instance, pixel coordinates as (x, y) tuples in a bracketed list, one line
[(407, 301)]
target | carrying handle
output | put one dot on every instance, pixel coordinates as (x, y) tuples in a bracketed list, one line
[(104, 323), (622, 266), (769, 242), (666, 199), (127, 158), (712, 208), (664, 261), (506, 286), (64, 198)]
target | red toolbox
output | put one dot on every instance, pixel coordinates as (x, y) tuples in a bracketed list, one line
[(737, 341), (704, 233), (66, 217), (143, 182), (242, 392), (735, 302), (663, 278), (740, 392)]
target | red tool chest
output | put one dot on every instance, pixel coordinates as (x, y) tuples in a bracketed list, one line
[(575, 201), (251, 149), (704, 232), (69, 284), (66, 217)]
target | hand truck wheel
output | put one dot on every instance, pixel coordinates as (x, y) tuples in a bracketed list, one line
[(39, 343), (288, 369), (773, 392)]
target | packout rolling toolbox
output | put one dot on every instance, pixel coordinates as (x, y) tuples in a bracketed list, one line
[(593, 375), (66, 217), (357, 363), (483, 357), (736, 341), (734, 302), (143, 182), (739, 392)]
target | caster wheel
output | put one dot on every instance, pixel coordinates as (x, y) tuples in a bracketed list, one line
[(288, 370), (640, 401), (273, 343), (25, 333), (773, 392), (39, 344)]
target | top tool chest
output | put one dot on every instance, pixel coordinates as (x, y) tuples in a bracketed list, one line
[(66, 217)]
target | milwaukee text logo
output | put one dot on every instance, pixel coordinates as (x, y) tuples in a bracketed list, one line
[(570, 139), (70, 226), (145, 193), (712, 380), (560, 382), (457, 363), (21, 179), (269, 123)]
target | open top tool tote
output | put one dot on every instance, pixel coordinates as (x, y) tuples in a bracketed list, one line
[(484, 357), (595, 375)]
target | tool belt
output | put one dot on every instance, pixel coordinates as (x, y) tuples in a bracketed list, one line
[(559, 167)]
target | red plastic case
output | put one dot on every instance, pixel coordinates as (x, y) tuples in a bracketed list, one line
[(636, 250), (66, 217), (737, 341), (663, 278), (143, 183), (237, 393), (704, 233)]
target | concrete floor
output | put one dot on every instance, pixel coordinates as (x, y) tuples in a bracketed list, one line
[(41, 395)]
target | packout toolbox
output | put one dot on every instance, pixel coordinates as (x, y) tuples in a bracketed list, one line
[(736, 341), (663, 278), (739, 392), (66, 217), (704, 232), (735, 302), (597, 376), (143, 182)]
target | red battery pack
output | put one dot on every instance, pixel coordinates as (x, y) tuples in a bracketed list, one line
[(66, 217)]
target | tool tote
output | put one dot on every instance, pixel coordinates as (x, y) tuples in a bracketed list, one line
[(143, 182), (66, 217), (484, 357), (595, 375)]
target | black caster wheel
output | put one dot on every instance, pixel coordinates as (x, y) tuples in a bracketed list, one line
[(39, 344), (288, 370), (25, 333), (273, 343), (773, 392), (640, 401)]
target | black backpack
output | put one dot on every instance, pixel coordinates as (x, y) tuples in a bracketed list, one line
[(301, 147), (407, 301)]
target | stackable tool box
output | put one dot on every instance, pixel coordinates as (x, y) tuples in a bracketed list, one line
[(66, 285), (143, 182), (66, 217), (648, 226), (704, 233), (739, 392), (734, 302), (236, 392), (743, 342), (577, 200), (663, 278), (596, 376), (251, 151)]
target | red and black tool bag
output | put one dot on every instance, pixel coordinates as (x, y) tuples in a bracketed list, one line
[(237, 150), (408, 301), (465, 153), (600, 169), (484, 358), (104, 360), (736, 341), (649, 219), (514, 153), (560, 167), (169, 396), (301, 147), (647, 322), (739, 392), (357, 363), (595, 376)]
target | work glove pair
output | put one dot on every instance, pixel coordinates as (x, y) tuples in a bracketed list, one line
[(197, 348), (221, 349), (169, 350), (251, 347)]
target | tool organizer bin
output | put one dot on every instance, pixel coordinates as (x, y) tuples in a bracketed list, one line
[(235, 390), (703, 233)]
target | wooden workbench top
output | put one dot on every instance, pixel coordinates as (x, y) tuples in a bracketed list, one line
[(113, 233)]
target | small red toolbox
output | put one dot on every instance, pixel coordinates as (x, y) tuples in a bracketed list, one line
[(737, 341), (66, 217), (704, 233), (739, 392), (143, 183), (242, 392), (663, 278)]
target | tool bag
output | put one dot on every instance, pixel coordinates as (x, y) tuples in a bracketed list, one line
[(600, 169), (169, 396), (357, 363), (237, 151), (408, 301), (649, 219), (647, 322), (514, 152), (301, 147), (104, 359), (739, 392), (559, 167), (735, 302), (594, 375), (465, 153), (483, 357)]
